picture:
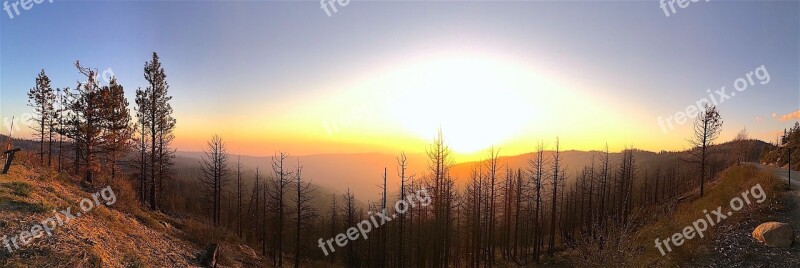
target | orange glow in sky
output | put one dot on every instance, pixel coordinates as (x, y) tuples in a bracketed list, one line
[(477, 99)]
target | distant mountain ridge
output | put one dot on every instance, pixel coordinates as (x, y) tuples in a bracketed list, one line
[(362, 172)]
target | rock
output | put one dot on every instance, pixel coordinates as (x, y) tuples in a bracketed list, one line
[(774, 234)]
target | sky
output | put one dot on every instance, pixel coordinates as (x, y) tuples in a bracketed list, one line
[(383, 76)]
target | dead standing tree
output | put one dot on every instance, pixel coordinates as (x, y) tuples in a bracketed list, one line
[(492, 167), (305, 213), (214, 169), (707, 127), (280, 185), (743, 146), (556, 169), (537, 164), (401, 170)]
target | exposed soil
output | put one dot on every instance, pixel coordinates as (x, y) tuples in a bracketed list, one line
[(734, 246)]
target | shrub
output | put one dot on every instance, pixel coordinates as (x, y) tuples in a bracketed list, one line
[(19, 188)]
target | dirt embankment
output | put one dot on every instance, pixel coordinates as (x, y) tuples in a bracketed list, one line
[(48, 221)]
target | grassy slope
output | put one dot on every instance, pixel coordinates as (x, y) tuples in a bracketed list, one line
[(636, 246), (732, 183), (102, 237)]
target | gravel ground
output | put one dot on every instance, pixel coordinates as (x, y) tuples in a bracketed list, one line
[(733, 245)]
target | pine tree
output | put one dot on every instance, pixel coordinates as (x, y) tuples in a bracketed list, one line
[(86, 123), (159, 124), (142, 130), (42, 99), (116, 123)]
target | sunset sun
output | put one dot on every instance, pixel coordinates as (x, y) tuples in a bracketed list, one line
[(478, 102)]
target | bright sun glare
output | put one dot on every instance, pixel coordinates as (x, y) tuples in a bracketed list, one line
[(477, 102)]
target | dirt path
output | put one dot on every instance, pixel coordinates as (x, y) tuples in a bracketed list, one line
[(794, 195), (783, 174)]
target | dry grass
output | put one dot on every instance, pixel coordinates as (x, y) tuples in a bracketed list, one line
[(103, 237), (19, 188), (120, 235), (634, 245), (733, 181)]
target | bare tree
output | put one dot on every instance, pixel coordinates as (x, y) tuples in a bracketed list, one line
[(518, 204), (383, 231), (305, 213), (492, 167), (280, 184), (707, 127), (743, 147), (439, 163), (604, 193), (215, 171), (625, 188), (333, 227), (401, 170), (473, 200), (350, 220), (254, 212), (537, 164), (239, 186), (555, 183)]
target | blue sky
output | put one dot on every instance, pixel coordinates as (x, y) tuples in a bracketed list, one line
[(227, 59)]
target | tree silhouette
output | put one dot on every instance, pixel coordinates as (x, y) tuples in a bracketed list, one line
[(305, 213), (116, 124), (280, 185), (215, 175), (537, 165), (742, 146), (86, 122), (555, 183), (42, 99), (154, 105), (707, 127)]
